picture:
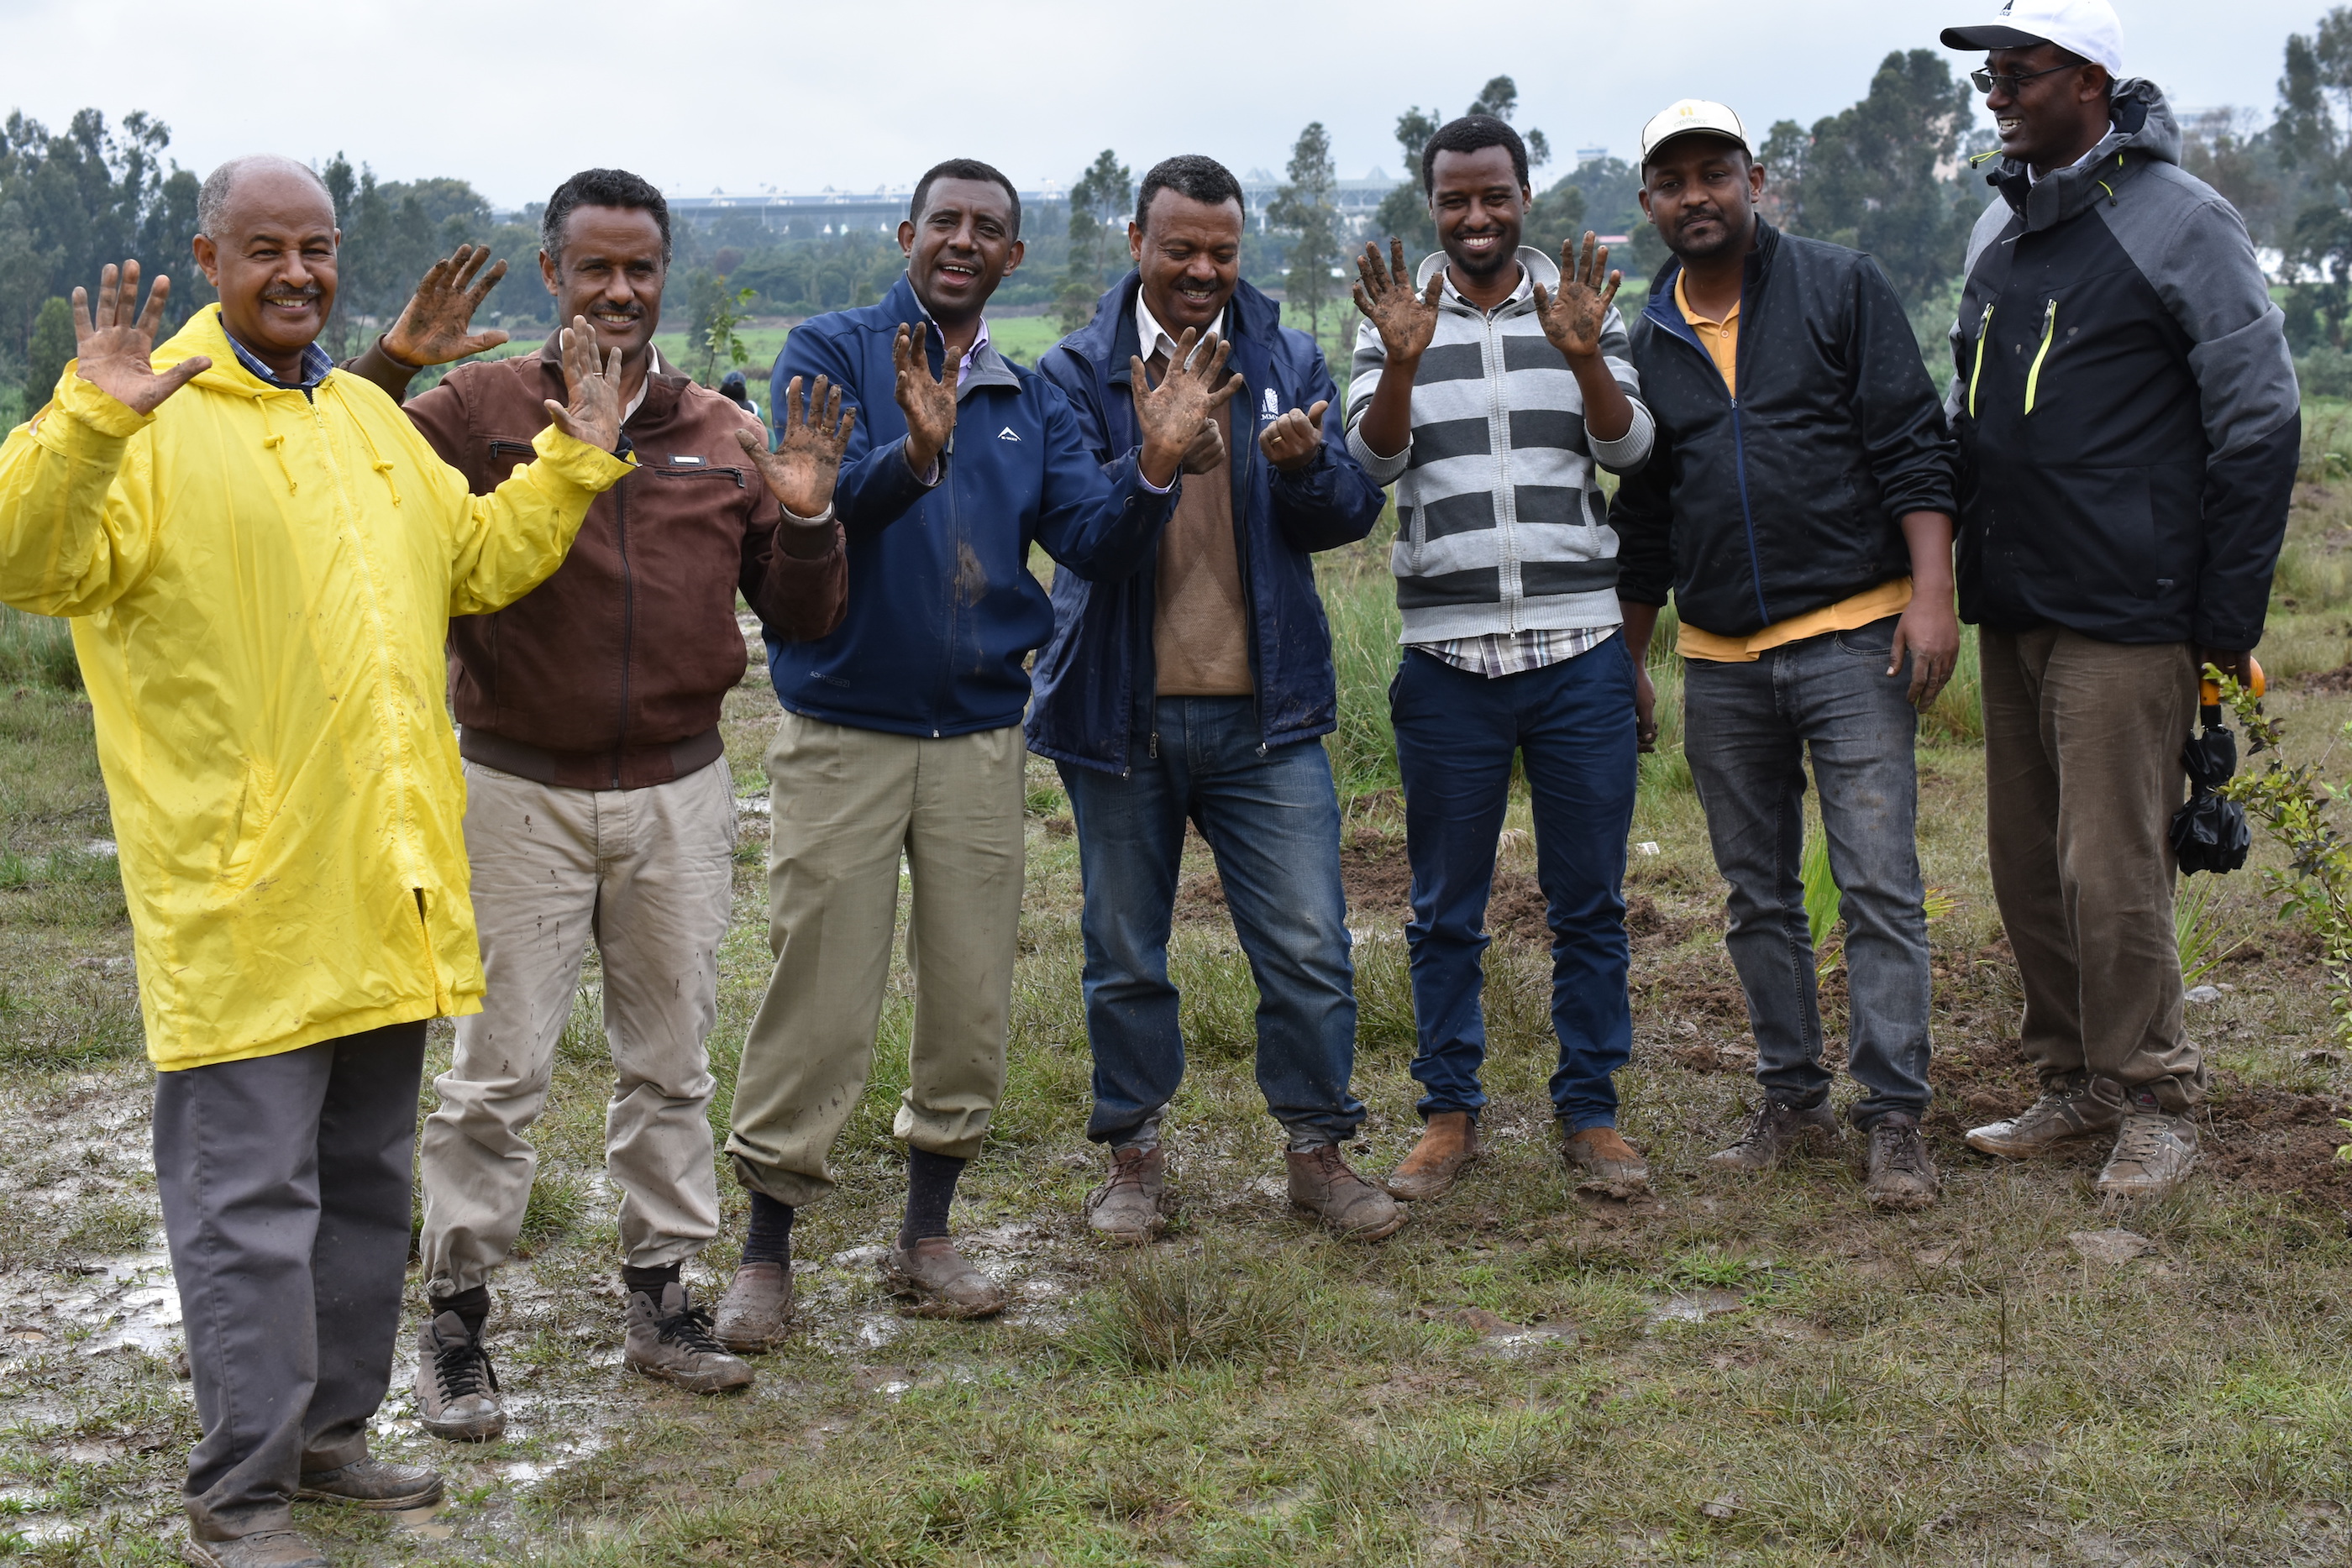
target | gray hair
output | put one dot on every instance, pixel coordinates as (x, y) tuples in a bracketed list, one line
[(212, 200)]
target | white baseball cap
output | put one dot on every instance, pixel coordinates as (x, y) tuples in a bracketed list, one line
[(2087, 27), (1692, 114)]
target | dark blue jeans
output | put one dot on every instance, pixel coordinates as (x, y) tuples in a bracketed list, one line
[(1272, 820), (1747, 729), (1455, 736)]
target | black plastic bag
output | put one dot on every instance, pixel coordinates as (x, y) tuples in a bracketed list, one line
[(2209, 833)]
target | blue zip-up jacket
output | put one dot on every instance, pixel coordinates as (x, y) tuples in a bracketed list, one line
[(1095, 679), (942, 609)]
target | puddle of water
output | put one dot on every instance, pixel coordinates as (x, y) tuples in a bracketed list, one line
[(858, 1257), (127, 1301), (424, 1523), (1694, 1306)]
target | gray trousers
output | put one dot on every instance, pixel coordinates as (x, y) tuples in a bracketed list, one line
[(285, 1184)]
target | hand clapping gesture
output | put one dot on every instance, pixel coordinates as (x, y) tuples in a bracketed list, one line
[(1572, 319), (929, 402), (1404, 319), (111, 349), (1172, 413), (807, 459), (594, 415), (431, 328)]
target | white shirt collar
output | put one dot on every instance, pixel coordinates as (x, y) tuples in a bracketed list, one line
[(1155, 339), (653, 369)]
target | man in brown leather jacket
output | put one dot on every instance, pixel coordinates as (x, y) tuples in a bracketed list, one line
[(598, 798)]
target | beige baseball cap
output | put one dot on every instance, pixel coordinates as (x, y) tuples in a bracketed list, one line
[(1692, 114)]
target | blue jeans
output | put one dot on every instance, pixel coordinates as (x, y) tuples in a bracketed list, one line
[(1455, 736), (1748, 728), (1272, 820)]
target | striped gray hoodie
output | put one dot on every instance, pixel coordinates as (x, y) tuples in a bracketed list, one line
[(1500, 527)]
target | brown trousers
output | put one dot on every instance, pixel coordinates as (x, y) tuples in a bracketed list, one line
[(2082, 773)]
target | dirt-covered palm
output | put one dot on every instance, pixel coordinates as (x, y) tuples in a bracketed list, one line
[(432, 326), (807, 459), (929, 402), (1573, 318), (594, 415), (111, 344), (1171, 413), (1405, 320)]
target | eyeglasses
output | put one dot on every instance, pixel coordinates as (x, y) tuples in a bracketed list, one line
[(1986, 81)]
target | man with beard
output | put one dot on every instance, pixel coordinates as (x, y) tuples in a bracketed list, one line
[(1488, 390), (1798, 506), (900, 737)]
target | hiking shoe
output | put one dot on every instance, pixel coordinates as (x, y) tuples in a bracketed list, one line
[(758, 1305), (262, 1549), (938, 1284), (672, 1342), (456, 1391), (374, 1484), (1323, 1185), (2090, 1109), (1775, 1133), (2154, 1151), (1901, 1175), (1448, 1146), (1611, 1166), (1131, 1206)]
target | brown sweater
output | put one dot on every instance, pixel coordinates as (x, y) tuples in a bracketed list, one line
[(1200, 641)]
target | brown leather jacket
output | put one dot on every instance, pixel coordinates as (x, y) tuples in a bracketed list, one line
[(611, 673)]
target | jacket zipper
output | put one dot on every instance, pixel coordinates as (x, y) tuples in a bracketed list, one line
[(2049, 334), (955, 605), (1739, 451), (1984, 331), (1507, 522), (1249, 599), (628, 623)]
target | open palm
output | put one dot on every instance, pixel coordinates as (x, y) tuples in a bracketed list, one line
[(111, 347)]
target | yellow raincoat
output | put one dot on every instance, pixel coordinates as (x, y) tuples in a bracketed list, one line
[(261, 586)]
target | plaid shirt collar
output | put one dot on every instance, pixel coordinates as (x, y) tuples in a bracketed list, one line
[(316, 364)]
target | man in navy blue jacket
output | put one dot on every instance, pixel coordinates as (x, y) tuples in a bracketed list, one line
[(1201, 688), (900, 734)]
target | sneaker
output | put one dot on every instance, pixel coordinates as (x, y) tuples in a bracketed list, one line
[(456, 1391), (756, 1309), (2154, 1151), (1901, 1175), (1775, 1133), (938, 1284), (1132, 1205), (1323, 1185), (262, 1549), (672, 1342), (1448, 1146), (2088, 1110), (1611, 1166), (373, 1484)]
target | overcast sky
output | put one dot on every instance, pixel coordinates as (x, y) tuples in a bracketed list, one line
[(513, 97)]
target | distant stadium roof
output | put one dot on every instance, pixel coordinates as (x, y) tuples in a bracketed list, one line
[(803, 213)]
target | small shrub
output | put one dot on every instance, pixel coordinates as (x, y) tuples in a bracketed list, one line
[(1164, 1309), (556, 1204)]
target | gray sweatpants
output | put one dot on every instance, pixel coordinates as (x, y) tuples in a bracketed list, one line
[(285, 1185)]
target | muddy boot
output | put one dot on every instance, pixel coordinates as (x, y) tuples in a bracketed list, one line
[(1131, 1206), (1776, 1132), (262, 1549), (672, 1342), (2154, 1151), (938, 1284), (1322, 1183), (1901, 1175), (1448, 1147), (2092, 1109), (373, 1484), (1611, 1166), (756, 1309), (456, 1392)]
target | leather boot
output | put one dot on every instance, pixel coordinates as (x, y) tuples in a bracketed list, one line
[(1448, 1146), (756, 1309), (1130, 1206), (1322, 1183), (1610, 1164)]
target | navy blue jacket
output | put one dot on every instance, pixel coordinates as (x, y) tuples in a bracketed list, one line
[(942, 609), (1097, 673)]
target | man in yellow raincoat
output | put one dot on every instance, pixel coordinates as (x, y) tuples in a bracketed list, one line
[(261, 557)]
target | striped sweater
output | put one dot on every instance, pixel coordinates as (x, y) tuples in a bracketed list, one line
[(1500, 525)]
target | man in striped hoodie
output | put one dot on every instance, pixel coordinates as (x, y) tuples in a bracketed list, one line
[(1487, 391)]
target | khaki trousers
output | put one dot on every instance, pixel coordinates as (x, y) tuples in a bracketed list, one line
[(846, 804), (2082, 773), (649, 874)]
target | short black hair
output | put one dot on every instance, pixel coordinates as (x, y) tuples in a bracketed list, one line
[(1192, 177), (601, 188), (963, 168), (1469, 134)]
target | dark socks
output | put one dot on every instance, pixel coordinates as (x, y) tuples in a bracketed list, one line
[(472, 1307), (931, 1188), (771, 1240), (649, 1281)]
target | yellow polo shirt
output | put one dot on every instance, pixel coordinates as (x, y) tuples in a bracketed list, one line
[(1721, 339)]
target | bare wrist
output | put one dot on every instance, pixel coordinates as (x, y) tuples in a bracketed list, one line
[(383, 347)]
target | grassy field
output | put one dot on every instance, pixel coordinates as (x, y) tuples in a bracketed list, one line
[(1743, 1372)]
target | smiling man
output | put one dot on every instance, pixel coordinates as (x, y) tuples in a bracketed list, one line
[(1199, 690), (900, 739), (2128, 422), (1506, 574), (262, 558)]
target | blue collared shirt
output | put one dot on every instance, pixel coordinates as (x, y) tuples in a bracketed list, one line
[(315, 366)]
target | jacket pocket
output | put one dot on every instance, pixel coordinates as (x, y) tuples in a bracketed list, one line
[(2040, 354), (1873, 640), (249, 823)]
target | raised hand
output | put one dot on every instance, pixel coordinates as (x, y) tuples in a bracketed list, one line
[(431, 328), (111, 349), (928, 401), (800, 471), (1172, 413), (1291, 442), (594, 417), (1404, 319), (1573, 319)]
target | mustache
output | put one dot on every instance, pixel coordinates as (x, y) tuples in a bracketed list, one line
[(313, 292)]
